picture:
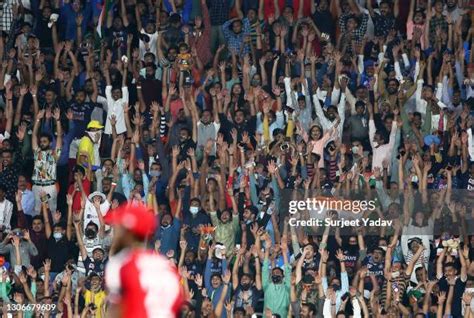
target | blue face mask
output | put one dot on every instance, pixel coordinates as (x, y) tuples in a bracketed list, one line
[(155, 173)]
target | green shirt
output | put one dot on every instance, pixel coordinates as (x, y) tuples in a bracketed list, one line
[(276, 296)]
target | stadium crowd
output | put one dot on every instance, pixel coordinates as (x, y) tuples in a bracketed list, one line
[(215, 113)]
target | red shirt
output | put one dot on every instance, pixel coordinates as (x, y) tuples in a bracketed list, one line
[(76, 200), (144, 284)]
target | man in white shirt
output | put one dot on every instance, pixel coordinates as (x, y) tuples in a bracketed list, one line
[(6, 209), (117, 100)]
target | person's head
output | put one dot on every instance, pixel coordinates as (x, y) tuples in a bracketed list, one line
[(352, 23), (450, 270), (379, 138), (236, 26), (309, 248), (307, 310), (46, 12), (256, 81), (166, 220), (352, 241), (91, 230), (277, 275), (392, 86), (384, 8), (150, 27), (183, 48), (252, 15), (216, 280), (249, 213), (189, 257), (360, 107), (335, 284), (331, 113), (172, 53), (414, 244), (438, 6), (427, 92), (117, 23), (150, 70), (225, 216), (239, 312), (246, 281), (239, 116), (149, 58), (323, 5), (2, 193), (420, 274), (206, 117), (98, 254), (116, 93), (419, 17), (76, 5), (419, 218), (107, 166), (288, 13), (79, 173), (22, 183), (301, 102), (95, 281), (175, 20), (184, 134), (59, 230), (44, 141), (37, 224), (206, 308), (236, 89), (131, 225), (80, 97), (387, 122), (377, 254), (451, 4), (7, 158)]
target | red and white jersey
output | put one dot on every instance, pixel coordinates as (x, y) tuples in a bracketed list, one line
[(144, 284)]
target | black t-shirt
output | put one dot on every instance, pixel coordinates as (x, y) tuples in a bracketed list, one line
[(351, 255), (93, 266), (247, 298), (459, 287), (59, 252)]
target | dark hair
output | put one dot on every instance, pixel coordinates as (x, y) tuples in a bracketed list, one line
[(91, 223), (310, 306), (37, 217), (46, 135)]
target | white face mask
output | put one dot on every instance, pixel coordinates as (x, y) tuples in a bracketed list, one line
[(194, 210), (95, 134)]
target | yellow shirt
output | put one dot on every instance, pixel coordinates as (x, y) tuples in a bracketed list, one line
[(97, 298)]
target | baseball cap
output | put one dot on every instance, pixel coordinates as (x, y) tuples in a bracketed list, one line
[(135, 218), (94, 124)]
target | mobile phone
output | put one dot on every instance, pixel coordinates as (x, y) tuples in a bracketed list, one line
[(284, 146), (45, 198)]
